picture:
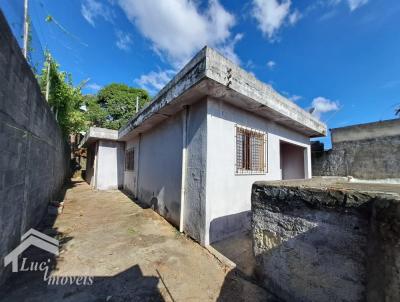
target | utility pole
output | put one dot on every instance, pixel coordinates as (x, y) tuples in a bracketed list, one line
[(48, 77), (137, 104), (26, 29)]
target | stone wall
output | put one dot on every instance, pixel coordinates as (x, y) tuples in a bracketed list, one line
[(320, 243), (34, 157), (375, 158)]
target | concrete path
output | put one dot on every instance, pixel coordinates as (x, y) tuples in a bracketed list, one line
[(129, 254)]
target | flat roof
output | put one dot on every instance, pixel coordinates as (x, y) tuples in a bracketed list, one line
[(211, 74), (96, 133)]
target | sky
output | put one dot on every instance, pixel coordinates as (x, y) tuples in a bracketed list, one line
[(339, 57)]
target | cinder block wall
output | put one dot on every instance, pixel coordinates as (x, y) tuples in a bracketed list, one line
[(34, 157)]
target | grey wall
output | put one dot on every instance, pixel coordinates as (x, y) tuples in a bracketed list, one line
[(160, 168), (366, 131), (34, 157), (315, 244), (375, 158), (195, 197)]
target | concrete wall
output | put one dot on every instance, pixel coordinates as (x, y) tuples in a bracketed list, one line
[(160, 168), (34, 157), (319, 244), (375, 158), (228, 194), (366, 131), (195, 204)]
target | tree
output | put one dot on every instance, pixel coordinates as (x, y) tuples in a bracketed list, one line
[(64, 99), (116, 105), (95, 114)]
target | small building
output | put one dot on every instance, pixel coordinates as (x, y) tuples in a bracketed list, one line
[(194, 152)]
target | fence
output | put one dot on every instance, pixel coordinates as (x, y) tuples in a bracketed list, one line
[(13, 10)]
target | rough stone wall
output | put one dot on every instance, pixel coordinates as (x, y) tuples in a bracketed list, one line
[(326, 245), (34, 157), (376, 158)]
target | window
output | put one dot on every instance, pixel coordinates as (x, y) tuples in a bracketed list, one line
[(250, 151), (129, 159)]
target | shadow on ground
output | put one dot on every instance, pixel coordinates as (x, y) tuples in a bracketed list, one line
[(129, 285)]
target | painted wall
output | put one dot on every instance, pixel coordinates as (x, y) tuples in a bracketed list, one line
[(228, 195), (159, 164), (109, 165), (195, 197)]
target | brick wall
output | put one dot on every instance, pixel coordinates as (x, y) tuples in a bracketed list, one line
[(34, 157)]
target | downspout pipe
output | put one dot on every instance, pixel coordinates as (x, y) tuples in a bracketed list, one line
[(185, 114)]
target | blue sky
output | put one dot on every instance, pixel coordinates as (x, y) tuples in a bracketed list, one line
[(340, 56)]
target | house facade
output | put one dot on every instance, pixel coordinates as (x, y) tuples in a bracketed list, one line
[(194, 152)]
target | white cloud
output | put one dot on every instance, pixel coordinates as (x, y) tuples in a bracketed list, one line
[(124, 40), (271, 64), (92, 9), (228, 50), (94, 86), (323, 105), (155, 81), (271, 15), (179, 28), (295, 97), (354, 4), (295, 17)]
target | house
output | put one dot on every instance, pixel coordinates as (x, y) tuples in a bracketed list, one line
[(194, 152)]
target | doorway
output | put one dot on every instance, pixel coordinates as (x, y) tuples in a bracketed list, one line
[(292, 161)]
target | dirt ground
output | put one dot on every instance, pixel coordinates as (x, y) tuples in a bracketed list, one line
[(131, 253)]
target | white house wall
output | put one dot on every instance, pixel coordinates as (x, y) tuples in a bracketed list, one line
[(228, 195), (109, 165)]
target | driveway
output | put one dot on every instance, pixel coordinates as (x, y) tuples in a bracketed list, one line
[(129, 254)]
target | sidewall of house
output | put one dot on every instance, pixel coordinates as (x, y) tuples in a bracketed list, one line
[(228, 194), (130, 177), (158, 165)]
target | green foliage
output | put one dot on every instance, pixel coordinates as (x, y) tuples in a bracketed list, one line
[(64, 99), (115, 105), (95, 115)]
